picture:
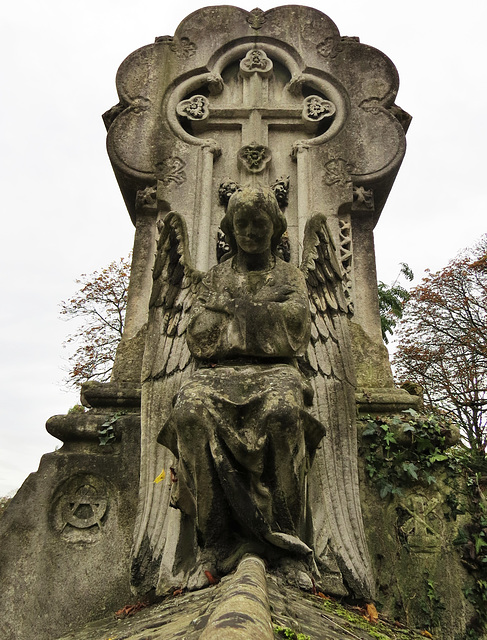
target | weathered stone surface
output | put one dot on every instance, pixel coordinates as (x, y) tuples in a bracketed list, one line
[(244, 102), (244, 605), (113, 394), (67, 534), (201, 113), (380, 400), (243, 611), (242, 426), (420, 575)]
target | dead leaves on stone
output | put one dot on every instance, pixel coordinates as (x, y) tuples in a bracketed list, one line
[(386, 628), (371, 614), (130, 610)]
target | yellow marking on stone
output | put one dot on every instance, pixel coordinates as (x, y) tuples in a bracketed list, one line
[(160, 477)]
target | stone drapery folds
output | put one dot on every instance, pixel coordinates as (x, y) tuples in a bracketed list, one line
[(233, 359)]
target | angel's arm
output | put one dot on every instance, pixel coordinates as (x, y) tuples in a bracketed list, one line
[(276, 322)]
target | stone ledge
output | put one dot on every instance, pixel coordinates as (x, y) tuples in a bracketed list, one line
[(383, 400), (244, 610), (110, 394), (238, 608)]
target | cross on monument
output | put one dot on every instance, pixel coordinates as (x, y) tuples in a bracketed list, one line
[(257, 112)]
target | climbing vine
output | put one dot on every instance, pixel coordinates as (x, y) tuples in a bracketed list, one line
[(404, 449), (401, 451), (106, 433), (472, 537)]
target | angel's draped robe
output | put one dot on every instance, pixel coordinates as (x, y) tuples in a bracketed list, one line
[(240, 427)]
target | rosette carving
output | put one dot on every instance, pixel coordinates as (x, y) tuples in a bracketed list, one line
[(256, 61), (195, 108)]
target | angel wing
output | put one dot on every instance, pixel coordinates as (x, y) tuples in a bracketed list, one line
[(166, 364), (334, 484)]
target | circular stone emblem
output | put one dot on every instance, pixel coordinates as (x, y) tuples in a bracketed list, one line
[(80, 508)]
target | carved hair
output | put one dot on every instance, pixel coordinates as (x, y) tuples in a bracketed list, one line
[(261, 198)]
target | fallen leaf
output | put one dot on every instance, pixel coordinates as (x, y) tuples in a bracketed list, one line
[(426, 634), (372, 615), (211, 578), (160, 477), (130, 610), (399, 625)]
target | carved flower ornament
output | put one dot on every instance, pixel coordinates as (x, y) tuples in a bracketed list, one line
[(195, 108), (256, 61), (316, 109), (254, 157)]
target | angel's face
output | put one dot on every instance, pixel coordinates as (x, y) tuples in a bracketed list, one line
[(253, 229)]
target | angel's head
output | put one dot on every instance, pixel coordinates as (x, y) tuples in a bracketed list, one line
[(248, 201)]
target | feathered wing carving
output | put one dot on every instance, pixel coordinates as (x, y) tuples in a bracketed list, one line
[(333, 481), (167, 363)]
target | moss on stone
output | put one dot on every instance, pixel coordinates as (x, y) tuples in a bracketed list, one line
[(382, 630)]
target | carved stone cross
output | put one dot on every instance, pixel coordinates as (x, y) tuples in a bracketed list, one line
[(254, 109)]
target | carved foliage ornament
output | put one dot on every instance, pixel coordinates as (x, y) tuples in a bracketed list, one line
[(316, 109), (330, 47), (280, 187), (256, 18), (183, 48), (281, 191), (171, 170), (363, 199), (146, 199), (226, 190), (256, 61), (254, 157), (195, 108), (337, 171)]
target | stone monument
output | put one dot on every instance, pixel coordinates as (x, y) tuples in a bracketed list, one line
[(255, 152)]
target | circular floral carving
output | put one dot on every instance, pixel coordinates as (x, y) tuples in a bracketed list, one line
[(256, 61), (254, 157), (196, 108), (316, 109)]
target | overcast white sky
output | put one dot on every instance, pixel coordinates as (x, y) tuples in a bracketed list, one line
[(63, 214)]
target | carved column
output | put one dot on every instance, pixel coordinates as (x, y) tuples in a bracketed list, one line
[(128, 360)]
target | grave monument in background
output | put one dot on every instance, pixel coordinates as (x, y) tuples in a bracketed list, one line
[(273, 118)]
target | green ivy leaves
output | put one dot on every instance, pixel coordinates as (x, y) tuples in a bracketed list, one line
[(107, 433), (400, 450)]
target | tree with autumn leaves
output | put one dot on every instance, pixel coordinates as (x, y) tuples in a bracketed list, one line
[(442, 342), (99, 307)]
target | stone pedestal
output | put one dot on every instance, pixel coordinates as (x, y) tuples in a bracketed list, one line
[(67, 534)]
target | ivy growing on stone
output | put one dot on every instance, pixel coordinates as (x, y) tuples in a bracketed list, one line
[(472, 537), (400, 450), (106, 432)]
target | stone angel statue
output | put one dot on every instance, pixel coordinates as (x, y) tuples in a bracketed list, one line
[(245, 369)]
